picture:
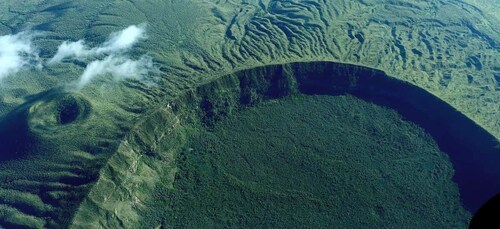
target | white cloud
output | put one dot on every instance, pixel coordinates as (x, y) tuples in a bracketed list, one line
[(117, 66), (123, 40), (16, 52), (68, 50), (117, 42), (108, 58)]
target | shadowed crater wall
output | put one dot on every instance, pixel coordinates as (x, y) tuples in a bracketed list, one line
[(151, 149), (473, 151)]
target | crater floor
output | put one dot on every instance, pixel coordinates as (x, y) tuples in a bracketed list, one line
[(311, 161), (341, 139)]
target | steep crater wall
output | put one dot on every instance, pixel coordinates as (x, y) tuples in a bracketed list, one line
[(154, 143), (473, 151)]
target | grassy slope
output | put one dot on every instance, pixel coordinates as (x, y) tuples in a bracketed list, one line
[(453, 57), (194, 42)]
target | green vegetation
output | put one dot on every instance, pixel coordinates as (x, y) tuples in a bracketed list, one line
[(92, 157), (310, 161), (146, 160)]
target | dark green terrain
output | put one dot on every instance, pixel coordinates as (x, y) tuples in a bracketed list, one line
[(311, 161), (193, 147), (107, 155)]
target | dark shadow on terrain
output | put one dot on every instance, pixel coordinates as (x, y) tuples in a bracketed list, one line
[(15, 140), (487, 216), (474, 152), (24, 143), (16, 137)]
